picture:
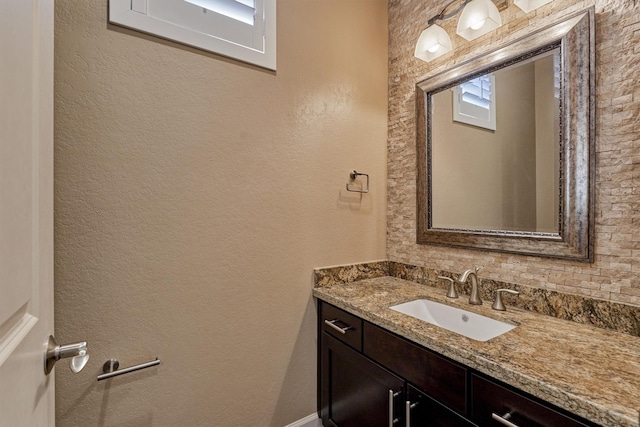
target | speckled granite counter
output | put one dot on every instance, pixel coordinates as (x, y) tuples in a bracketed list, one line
[(588, 371)]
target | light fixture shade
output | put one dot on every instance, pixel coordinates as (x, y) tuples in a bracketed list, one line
[(478, 18), (529, 5), (432, 43)]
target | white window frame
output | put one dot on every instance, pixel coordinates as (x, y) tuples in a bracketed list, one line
[(134, 14), (472, 114)]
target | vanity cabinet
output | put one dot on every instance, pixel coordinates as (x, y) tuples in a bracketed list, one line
[(355, 391), (371, 377)]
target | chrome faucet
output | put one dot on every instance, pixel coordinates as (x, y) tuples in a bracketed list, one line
[(475, 295)]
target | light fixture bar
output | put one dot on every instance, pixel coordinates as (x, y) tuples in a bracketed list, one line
[(442, 15), (478, 17)]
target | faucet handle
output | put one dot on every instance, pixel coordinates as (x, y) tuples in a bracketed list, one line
[(452, 287), (498, 304)]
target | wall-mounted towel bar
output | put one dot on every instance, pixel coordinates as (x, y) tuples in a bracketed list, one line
[(110, 368), (353, 175)]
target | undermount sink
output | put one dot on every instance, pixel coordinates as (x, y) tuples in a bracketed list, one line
[(471, 325)]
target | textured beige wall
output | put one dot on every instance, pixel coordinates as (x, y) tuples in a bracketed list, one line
[(615, 273), (194, 196)]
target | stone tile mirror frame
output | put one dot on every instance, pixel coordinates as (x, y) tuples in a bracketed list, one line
[(576, 37)]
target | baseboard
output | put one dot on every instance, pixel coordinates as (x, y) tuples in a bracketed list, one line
[(309, 421)]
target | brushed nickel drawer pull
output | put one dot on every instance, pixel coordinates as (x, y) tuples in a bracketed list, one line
[(503, 419), (409, 407), (337, 328), (392, 396)]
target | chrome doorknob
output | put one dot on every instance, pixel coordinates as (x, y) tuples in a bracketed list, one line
[(54, 352)]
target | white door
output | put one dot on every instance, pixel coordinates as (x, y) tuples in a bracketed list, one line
[(26, 211)]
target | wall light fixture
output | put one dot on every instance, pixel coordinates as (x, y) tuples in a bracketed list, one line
[(529, 5), (478, 17), (432, 43)]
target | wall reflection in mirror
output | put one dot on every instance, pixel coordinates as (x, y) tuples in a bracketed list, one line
[(495, 149)]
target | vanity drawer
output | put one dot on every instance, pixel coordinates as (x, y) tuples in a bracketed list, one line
[(491, 398), (344, 326), (441, 378)]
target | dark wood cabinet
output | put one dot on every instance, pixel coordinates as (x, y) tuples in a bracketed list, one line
[(492, 401), (421, 410), (357, 392), (371, 377), (439, 377)]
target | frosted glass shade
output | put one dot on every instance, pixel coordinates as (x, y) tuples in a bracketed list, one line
[(529, 5), (478, 18), (432, 43)]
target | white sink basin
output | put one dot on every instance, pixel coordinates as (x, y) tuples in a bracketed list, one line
[(471, 325)]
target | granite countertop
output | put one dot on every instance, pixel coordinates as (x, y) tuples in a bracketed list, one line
[(591, 372)]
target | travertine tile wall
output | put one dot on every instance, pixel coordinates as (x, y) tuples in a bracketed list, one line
[(615, 273)]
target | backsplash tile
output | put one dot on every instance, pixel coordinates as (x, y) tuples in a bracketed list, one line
[(603, 314), (329, 276)]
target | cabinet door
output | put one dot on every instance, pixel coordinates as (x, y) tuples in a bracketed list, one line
[(423, 411), (356, 392)]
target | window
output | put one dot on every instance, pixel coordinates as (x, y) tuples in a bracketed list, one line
[(474, 102), (241, 29)]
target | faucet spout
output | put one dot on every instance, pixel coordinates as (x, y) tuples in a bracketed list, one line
[(474, 298), (464, 276)]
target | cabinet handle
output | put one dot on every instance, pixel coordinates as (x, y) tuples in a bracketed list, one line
[(503, 419), (409, 406), (337, 328), (392, 396)]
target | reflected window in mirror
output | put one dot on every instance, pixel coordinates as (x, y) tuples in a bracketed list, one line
[(474, 102)]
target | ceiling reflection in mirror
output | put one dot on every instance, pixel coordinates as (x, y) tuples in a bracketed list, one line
[(495, 148)]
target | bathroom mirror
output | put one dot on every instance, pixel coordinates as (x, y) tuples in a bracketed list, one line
[(505, 147)]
